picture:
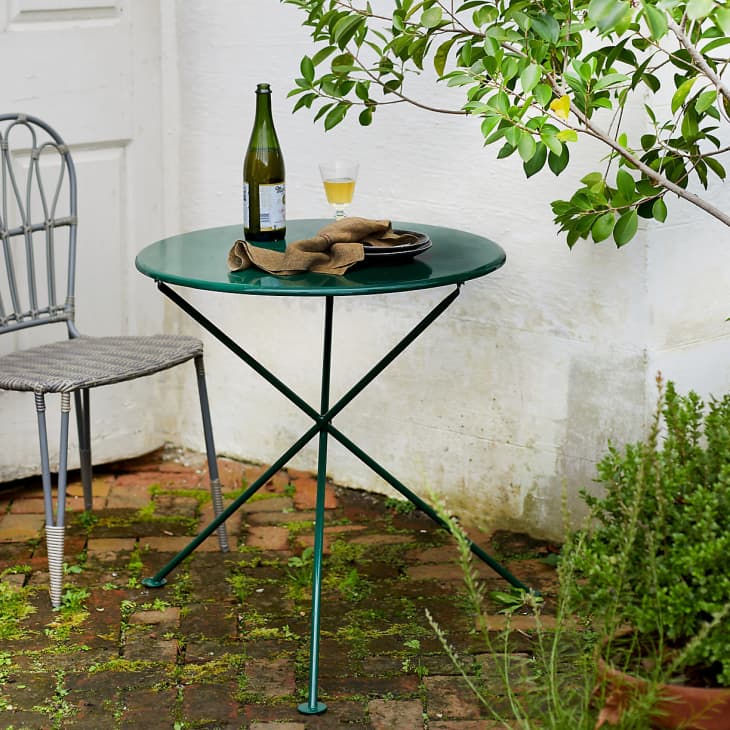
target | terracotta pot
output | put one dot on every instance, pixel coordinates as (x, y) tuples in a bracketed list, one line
[(689, 708)]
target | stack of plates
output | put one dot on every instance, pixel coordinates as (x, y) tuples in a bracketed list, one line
[(389, 254)]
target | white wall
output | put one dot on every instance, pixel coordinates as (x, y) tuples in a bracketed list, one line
[(505, 401), (509, 399)]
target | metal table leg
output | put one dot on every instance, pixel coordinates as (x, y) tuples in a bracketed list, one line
[(322, 426), (312, 706)]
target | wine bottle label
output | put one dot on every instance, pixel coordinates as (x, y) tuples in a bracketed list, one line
[(246, 206), (272, 207)]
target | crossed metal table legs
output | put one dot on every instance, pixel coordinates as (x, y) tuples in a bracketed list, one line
[(323, 427)]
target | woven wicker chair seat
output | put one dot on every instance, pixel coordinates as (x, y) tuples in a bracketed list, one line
[(85, 362)]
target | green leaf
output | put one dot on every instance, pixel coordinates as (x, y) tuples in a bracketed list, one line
[(602, 227), (625, 183), (489, 124), (335, 116), (513, 135), (659, 210), (699, 9), (530, 76), (345, 28), (647, 141), (500, 102), (681, 93), (543, 93), (567, 135), (323, 53), (526, 146), (626, 227), (718, 42), (431, 17), (343, 63), (716, 167), (646, 187), (690, 125), (362, 90), (656, 19), (722, 16), (551, 142), (592, 179), (546, 27), (609, 80), (505, 151), (322, 111), (537, 161), (557, 163), (439, 59), (606, 14), (484, 15), (305, 100), (307, 68), (705, 100), (366, 116)]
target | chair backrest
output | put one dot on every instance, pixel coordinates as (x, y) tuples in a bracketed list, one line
[(37, 225)]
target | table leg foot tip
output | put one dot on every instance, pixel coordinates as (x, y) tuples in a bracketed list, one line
[(306, 709), (153, 582)]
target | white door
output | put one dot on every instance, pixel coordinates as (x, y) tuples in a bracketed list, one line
[(92, 70)]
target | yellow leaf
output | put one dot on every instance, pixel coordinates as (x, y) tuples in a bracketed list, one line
[(561, 106)]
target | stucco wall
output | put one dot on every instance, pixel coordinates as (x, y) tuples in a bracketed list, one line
[(510, 397)]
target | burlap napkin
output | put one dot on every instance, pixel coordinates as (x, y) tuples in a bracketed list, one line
[(333, 250)]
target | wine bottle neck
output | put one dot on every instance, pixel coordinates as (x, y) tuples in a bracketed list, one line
[(264, 134), (263, 110)]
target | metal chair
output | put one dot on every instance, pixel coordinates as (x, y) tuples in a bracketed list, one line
[(38, 260)]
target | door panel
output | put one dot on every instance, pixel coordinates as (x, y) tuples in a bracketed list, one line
[(91, 69)]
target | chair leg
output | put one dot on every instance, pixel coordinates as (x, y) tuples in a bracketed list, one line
[(54, 547), (40, 408), (215, 484), (55, 529), (83, 424)]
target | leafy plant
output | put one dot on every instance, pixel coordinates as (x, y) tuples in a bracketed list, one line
[(400, 506), (551, 684), (655, 557), (541, 75), (15, 606)]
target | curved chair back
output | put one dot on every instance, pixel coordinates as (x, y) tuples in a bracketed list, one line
[(37, 225)]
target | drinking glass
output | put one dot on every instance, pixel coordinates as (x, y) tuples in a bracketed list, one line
[(339, 178)]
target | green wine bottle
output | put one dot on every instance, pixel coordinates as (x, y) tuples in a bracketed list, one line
[(264, 192)]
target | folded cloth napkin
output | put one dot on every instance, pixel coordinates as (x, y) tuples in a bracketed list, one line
[(333, 250)]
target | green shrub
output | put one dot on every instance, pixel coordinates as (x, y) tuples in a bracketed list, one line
[(655, 557)]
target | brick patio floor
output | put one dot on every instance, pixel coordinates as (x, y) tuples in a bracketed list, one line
[(225, 643)]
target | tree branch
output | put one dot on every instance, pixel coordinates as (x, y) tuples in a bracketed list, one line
[(652, 174), (697, 57), (403, 97), (592, 130)]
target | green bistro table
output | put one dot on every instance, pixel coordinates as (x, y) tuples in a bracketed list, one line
[(198, 260)]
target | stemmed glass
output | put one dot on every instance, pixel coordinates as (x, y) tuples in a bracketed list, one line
[(339, 178)]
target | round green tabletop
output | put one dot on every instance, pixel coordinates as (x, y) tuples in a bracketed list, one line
[(198, 260)]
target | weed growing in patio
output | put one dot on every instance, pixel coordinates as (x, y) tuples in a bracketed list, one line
[(300, 574), (6, 664), (181, 589), (400, 506), (413, 663), (86, 520), (14, 605), (58, 708)]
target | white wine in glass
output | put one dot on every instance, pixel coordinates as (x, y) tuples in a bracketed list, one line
[(339, 179)]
